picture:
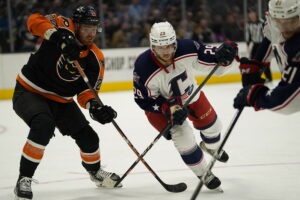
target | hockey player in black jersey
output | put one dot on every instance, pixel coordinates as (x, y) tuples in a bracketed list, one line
[(45, 88), (164, 80), (282, 39)]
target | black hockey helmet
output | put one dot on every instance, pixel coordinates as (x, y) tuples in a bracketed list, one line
[(85, 15)]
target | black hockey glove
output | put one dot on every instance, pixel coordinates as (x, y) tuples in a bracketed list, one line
[(248, 95), (67, 42), (103, 114), (251, 71), (226, 52), (174, 112)]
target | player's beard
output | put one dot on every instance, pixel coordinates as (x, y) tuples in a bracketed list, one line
[(89, 40), (289, 34), (163, 60)]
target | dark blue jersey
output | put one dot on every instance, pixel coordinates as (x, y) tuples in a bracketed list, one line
[(284, 98), (154, 83)]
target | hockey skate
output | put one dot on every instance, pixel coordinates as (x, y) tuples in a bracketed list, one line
[(23, 188), (222, 157), (212, 182), (104, 179)]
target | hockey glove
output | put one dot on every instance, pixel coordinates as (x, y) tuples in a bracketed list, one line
[(174, 112), (103, 114), (251, 71), (226, 53), (67, 42), (248, 95)]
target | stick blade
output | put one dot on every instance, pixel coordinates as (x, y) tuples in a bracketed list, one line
[(180, 187)]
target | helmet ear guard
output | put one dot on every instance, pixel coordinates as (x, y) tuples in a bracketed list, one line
[(283, 9)]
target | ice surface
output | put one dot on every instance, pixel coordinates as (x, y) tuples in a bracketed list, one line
[(264, 154)]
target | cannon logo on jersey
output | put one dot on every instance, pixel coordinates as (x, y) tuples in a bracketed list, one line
[(66, 71), (175, 86)]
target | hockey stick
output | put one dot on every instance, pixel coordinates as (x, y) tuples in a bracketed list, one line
[(180, 187), (183, 186), (214, 158)]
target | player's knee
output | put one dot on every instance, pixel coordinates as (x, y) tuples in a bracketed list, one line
[(212, 135), (42, 128), (183, 138), (212, 129), (87, 139)]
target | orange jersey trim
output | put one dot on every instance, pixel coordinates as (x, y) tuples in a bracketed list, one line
[(46, 95), (84, 97), (90, 157), (38, 24), (33, 152), (100, 58)]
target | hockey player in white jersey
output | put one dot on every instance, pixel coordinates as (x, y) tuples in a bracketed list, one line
[(282, 40), (164, 80)]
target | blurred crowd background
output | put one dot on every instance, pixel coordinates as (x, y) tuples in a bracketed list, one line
[(126, 23)]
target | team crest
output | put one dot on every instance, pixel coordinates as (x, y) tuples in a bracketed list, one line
[(66, 71)]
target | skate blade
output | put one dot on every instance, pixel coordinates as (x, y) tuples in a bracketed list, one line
[(20, 198), (218, 189)]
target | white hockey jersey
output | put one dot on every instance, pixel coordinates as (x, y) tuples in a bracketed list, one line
[(154, 83)]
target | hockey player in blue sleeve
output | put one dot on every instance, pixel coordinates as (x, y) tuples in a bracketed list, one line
[(282, 34), (164, 80)]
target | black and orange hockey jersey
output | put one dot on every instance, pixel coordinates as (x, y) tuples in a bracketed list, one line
[(50, 75)]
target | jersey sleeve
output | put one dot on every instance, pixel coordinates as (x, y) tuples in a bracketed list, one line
[(207, 60), (95, 75), (43, 26), (147, 98), (285, 97), (264, 51)]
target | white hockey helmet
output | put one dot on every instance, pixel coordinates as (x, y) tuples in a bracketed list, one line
[(161, 34), (283, 9)]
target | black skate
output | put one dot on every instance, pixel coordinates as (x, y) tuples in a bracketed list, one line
[(23, 188), (212, 182), (222, 157), (104, 179)]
